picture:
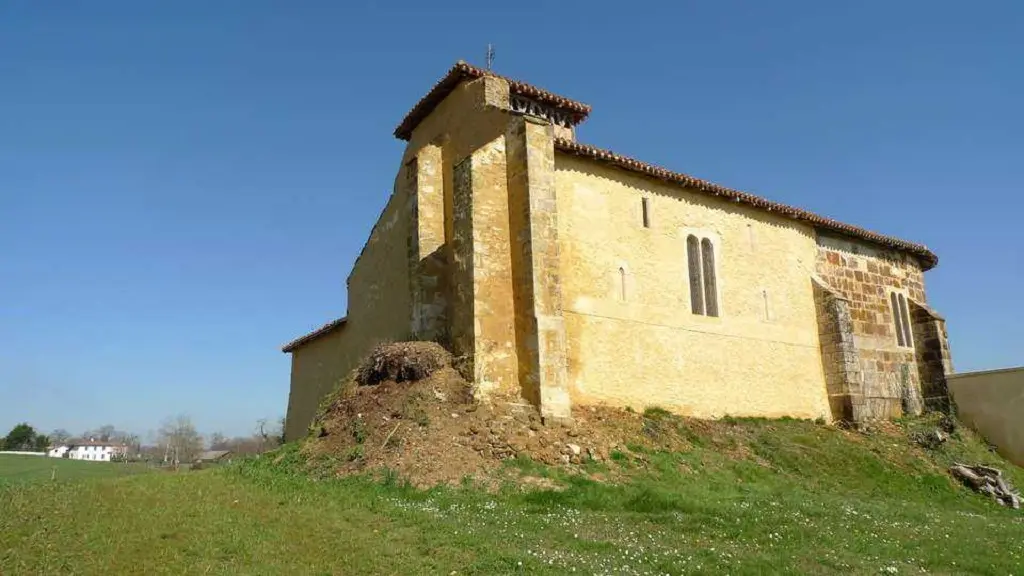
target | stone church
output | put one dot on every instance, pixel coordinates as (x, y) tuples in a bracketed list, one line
[(569, 275)]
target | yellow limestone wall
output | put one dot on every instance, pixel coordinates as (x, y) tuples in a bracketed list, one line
[(316, 369), (400, 286), (380, 303), (537, 294), (512, 251), (760, 357)]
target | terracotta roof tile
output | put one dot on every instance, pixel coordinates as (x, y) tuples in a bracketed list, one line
[(928, 258), (464, 71), (321, 331)]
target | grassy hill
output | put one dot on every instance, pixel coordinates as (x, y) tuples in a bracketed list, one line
[(744, 497), (18, 468)]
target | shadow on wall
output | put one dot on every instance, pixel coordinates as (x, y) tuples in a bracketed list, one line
[(992, 403)]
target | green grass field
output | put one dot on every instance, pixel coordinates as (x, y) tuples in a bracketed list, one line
[(767, 497), (17, 468)]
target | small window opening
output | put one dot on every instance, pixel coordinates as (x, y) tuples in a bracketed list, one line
[(645, 206), (767, 311), (622, 284), (901, 320), (897, 319), (700, 254), (710, 289), (904, 313), (696, 279)]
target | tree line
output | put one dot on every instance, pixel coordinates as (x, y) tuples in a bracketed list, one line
[(176, 441), (24, 438)]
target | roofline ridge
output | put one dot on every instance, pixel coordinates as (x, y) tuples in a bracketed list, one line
[(929, 259), (314, 334), (462, 70)]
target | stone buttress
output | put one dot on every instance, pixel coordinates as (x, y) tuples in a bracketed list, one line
[(483, 245)]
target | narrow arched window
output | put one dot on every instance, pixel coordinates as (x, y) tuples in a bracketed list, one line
[(696, 279), (622, 284), (901, 319), (700, 258), (707, 251), (897, 318), (908, 339), (645, 208)]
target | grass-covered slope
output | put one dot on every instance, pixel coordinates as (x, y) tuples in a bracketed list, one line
[(19, 468), (743, 497)]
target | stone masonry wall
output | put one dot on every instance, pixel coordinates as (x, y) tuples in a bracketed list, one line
[(933, 357), (864, 276), (316, 368), (379, 303), (839, 359), (540, 273), (428, 284), (632, 339), (533, 220), (483, 307)]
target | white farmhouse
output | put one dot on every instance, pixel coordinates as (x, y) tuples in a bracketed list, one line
[(95, 450), (58, 451)]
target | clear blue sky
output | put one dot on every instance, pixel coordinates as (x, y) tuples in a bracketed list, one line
[(184, 185)]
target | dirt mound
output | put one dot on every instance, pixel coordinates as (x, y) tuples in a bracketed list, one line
[(406, 409), (402, 362)]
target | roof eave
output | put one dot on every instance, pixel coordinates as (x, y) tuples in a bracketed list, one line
[(926, 257), (464, 71), (315, 334)]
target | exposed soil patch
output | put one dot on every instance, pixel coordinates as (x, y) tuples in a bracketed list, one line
[(430, 430)]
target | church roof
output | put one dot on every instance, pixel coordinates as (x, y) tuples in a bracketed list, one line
[(463, 71), (578, 111), (321, 331), (927, 257)]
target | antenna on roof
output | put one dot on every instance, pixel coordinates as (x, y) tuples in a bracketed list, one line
[(490, 55)]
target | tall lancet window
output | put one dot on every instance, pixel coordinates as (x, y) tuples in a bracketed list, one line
[(700, 256)]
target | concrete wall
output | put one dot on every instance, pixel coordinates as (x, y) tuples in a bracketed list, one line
[(759, 357), (992, 402)]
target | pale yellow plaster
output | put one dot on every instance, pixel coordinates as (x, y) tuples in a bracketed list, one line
[(650, 350)]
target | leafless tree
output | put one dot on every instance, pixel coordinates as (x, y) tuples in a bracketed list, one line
[(181, 441), (269, 434), (219, 441), (132, 445), (104, 433), (59, 436)]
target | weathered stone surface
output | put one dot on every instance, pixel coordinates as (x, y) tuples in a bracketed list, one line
[(760, 356), (428, 278), (840, 361), (533, 214), (564, 281), (934, 360), (889, 376)]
